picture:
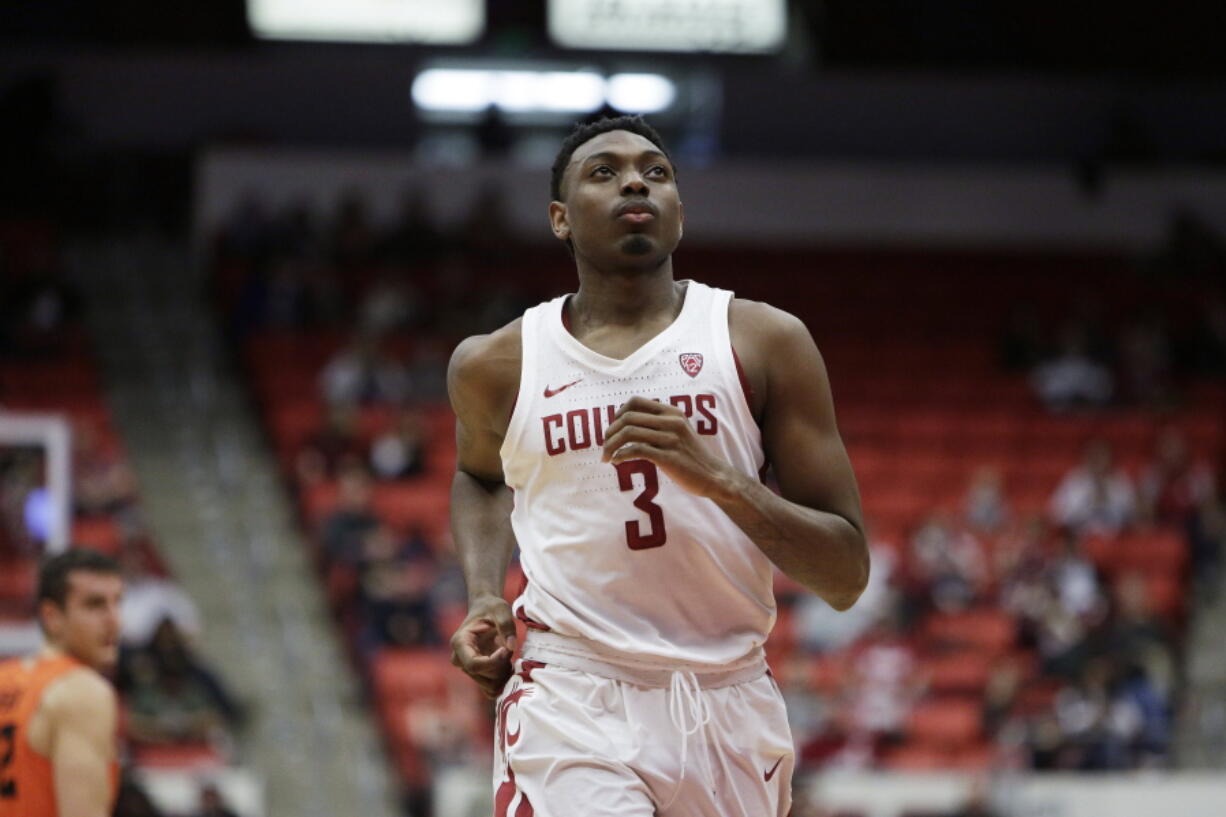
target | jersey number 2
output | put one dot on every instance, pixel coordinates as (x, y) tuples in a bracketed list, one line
[(655, 536), (8, 735)]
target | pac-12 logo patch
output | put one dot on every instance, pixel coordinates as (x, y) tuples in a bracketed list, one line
[(691, 363)]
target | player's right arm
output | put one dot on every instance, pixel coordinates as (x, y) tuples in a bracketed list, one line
[(482, 382), (83, 714)]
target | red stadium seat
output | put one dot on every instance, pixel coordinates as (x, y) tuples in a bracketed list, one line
[(1152, 552), (404, 674), (951, 723), (961, 671), (183, 756), (918, 757), (97, 532), (985, 629)]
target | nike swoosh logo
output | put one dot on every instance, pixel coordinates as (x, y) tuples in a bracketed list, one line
[(768, 775), (551, 392)]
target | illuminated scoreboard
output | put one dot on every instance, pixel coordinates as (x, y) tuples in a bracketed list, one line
[(444, 22), (725, 26)]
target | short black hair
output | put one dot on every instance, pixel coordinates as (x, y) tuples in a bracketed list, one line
[(54, 574), (590, 130)]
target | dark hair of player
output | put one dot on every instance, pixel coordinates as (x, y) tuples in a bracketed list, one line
[(54, 574), (590, 130)]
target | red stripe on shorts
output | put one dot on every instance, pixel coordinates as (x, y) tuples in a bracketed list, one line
[(506, 793)]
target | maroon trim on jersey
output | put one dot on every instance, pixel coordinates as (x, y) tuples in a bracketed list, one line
[(748, 392), (527, 667), (522, 616), (740, 375), (506, 792), (566, 318)]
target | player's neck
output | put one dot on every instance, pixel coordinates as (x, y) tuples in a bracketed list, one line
[(626, 298), (51, 651)]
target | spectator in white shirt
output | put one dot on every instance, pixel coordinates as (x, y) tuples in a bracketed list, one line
[(1094, 497)]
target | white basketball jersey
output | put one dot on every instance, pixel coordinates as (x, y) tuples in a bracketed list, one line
[(620, 554)]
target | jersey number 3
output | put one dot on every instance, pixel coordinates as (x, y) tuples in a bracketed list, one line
[(8, 735), (655, 535)]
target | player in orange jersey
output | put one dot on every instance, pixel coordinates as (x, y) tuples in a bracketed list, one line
[(58, 715)]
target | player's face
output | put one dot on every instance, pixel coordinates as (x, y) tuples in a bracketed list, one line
[(621, 205), (87, 626)]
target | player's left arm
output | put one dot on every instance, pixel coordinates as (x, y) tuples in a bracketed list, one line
[(813, 532), (84, 715)]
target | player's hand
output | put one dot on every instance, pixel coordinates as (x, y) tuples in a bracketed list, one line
[(484, 644), (645, 429)]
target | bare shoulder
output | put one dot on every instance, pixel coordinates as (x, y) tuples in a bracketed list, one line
[(759, 322), (766, 337), (80, 692), (484, 371)]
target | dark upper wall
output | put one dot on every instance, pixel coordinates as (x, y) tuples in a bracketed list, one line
[(359, 97)]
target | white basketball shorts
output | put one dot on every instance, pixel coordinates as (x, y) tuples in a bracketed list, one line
[(572, 743)]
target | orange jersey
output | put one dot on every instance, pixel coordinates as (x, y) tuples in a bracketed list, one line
[(27, 787)]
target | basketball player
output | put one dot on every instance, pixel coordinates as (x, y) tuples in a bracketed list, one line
[(58, 715), (623, 429)]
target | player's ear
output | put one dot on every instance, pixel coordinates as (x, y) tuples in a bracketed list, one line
[(558, 220), (680, 219), (50, 616)]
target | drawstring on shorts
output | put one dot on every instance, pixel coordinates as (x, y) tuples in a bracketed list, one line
[(686, 703)]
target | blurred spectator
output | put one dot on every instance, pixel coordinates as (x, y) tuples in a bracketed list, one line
[(1135, 635), (1173, 484), (809, 711), (132, 801), (999, 697), (1207, 354), (334, 448), (820, 628), (172, 696), (392, 302), (1019, 549), (35, 302), (288, 291), (985, 508), (1094, 498), (486, 232), (102, 481), (1075, 580), (1192, 248), (394, 591), (1147, 362), (1058, 605), (295, 233), (1024, 343), (150, 598), (1073, 378), (947, 563), (1207, 541), (399, 452), (879, 691), (167, 706), (247, 231), (428, 370), (361, 373), (344, 531), (212, 804), (1092, 739), (352, 241), (413, 240)]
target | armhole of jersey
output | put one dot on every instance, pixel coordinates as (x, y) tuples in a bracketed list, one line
[(528, 330), (730, 362)]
